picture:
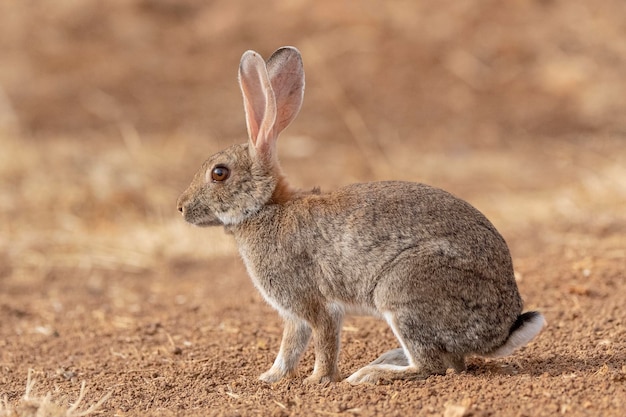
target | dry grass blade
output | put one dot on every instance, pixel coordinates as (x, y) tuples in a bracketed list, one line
[(33, 406)]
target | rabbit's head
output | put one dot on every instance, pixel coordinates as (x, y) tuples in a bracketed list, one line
[(235, 183)]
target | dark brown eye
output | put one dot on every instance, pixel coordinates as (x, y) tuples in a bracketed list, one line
[(220, 173)]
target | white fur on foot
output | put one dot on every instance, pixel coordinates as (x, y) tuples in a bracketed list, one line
[(277, 372), (371, 374), (392, 357)]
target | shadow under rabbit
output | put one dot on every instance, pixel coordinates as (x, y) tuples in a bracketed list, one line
[(552, 365)]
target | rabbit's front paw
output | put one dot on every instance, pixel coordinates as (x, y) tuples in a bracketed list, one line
[(322, 379), (274, 374)]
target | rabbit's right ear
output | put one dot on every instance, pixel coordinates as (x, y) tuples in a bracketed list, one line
[(259, 104)]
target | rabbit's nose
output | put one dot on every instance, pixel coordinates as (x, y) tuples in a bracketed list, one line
[(180, 204)]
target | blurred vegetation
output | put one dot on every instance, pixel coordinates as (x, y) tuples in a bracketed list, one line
[(107, 108), (455, 70)]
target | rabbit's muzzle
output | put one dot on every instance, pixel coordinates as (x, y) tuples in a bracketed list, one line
[(196, 213)]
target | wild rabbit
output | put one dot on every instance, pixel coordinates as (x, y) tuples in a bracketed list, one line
[(428, 263)]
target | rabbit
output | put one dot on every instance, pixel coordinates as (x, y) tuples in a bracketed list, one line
[(428, 263)]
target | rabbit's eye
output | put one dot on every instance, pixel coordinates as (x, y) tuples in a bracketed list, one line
[(220, 173)]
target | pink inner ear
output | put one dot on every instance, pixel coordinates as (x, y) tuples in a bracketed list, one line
[(253, 126), (286, 75), (272, 95), (259, 101)]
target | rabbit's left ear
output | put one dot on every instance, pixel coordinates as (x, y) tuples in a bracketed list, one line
[(286, 75), (272, 96)]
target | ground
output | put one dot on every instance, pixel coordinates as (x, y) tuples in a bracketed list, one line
[(107, 108)]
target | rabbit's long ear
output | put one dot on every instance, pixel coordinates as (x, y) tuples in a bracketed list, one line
[(286, 75), (272, 96), (259, 104)]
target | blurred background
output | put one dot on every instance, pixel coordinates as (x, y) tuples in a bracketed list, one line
[(107, 109), (409, 69)]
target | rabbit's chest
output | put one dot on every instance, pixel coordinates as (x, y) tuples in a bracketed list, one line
[(281, 281)]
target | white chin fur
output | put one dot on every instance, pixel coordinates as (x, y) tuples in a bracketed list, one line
[(229, 218), (520, 337), (233, 217)]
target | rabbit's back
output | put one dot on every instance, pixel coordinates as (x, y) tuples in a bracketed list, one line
[(368, 225)]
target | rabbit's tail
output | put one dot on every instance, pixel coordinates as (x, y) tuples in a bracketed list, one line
[(525, 328)]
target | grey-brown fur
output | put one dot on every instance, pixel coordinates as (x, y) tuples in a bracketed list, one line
[(427, 262)]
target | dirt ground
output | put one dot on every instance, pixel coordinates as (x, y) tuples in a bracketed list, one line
[(108, 108)]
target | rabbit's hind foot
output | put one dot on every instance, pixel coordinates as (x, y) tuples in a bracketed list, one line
[(392, 357), (379, 373)]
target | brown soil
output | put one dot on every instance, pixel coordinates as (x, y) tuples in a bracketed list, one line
[(107, 108)]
